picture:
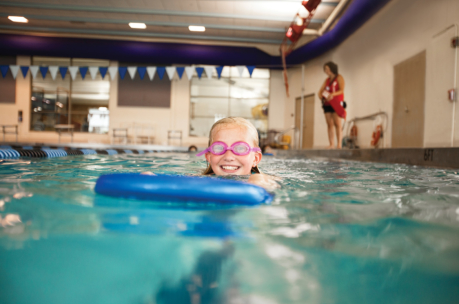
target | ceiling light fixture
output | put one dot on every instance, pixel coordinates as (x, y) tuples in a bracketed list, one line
[(197, 28), (137, 25), (18, 19)]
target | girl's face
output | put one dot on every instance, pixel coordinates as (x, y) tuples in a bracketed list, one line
[(230, 163), (328, 71)]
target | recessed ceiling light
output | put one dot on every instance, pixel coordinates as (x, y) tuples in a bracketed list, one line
[(18, 19), (137, 25), (197, 28)]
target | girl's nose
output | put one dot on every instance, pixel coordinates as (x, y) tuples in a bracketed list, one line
[(229, 155)]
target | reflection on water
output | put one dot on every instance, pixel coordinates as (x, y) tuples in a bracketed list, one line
[(202, 285), (336, 232)]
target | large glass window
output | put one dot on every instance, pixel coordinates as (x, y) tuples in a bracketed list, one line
[(80, 102), (231, 95)]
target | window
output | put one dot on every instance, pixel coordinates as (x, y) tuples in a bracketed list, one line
[(80, 102), (231, 95)]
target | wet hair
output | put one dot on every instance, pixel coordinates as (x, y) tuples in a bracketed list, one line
[(237, 121), (192, 148), (332, 66)]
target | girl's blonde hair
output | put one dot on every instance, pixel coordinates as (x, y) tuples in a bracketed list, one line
[(241, 122)]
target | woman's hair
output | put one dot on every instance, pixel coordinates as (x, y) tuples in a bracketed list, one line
[(238, 121), (332, 66)]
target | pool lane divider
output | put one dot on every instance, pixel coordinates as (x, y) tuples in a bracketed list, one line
[(9, 152)]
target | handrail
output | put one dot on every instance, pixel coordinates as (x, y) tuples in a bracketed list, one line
[(369, 117)]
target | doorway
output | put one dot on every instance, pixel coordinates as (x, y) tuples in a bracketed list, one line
[(307, 130), (409, 99)]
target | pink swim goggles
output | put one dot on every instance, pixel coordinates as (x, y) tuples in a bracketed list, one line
[(238, 148)]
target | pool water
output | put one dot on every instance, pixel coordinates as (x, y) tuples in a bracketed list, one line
[(336, 232)]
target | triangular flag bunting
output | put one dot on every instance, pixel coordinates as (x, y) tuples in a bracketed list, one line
[(112, 71), (14, 70), (170, 72), (161, 71), (219, 71), (141, 71), (83, 71), (53, 71), (34, 71), (180, 71), (189, 72), (43, 71), (93, 72), (4, 69), (24, 70), (103, 71), (122, 71), (240, 69), (250, 68), (132, 70), (199, 70), (63, 71), (209, 71), (151, 70), (73, 71)]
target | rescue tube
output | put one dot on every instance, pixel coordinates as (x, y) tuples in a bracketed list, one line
[(376, 135), (181, 189)]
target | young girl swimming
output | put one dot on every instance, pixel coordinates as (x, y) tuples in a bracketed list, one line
[(234, 150)]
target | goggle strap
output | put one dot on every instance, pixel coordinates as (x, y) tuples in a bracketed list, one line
[(203, 152)]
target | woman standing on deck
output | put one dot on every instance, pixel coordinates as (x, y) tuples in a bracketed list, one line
[(332, 95)]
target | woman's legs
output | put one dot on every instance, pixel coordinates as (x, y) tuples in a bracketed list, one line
[(339, 131), (330, 126)]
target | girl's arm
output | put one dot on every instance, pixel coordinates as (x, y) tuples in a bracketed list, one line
[(265, 181), (322, 88)]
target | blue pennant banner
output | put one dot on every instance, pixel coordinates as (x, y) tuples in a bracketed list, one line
[(199, 71), (24, 70), (103, 71), (4, 69), (43, 71), (83, 71), (63, 71), (189, 70), (250, 68), (161, 71), (219, 71), (141, 71), (180, 71), (122, 71)]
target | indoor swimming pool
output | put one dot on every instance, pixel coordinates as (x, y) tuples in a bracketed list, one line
[(336, 232)]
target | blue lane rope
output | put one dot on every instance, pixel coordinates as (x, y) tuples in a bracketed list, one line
[(88, 151), (9, 153)]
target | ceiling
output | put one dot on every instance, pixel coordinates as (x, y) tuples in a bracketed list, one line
[(229, 22)]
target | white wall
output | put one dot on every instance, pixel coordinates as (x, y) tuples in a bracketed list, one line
[(402, 29), (276, 115)]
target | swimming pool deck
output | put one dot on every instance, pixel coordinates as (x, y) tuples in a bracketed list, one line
[(430, 157)]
